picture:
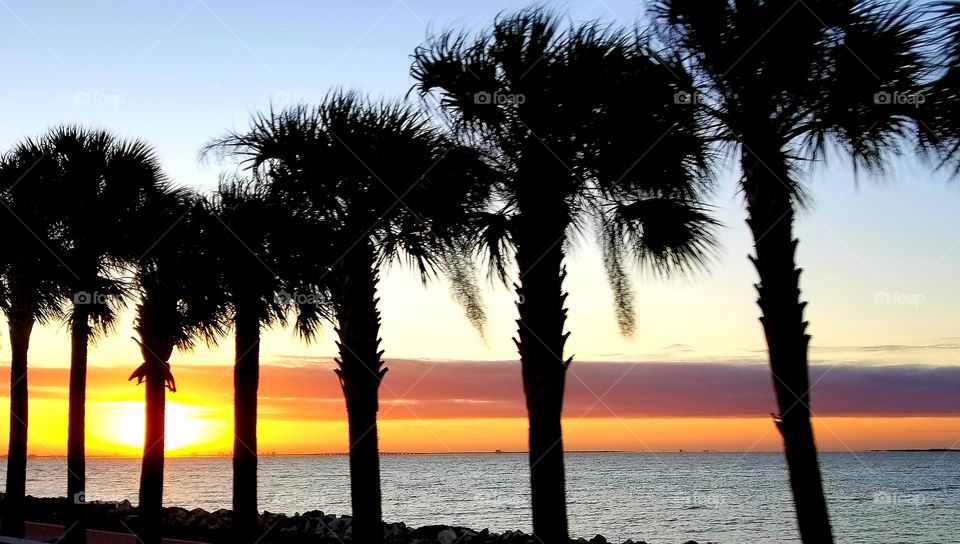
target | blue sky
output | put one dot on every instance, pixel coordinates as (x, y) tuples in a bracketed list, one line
[(181, 72)]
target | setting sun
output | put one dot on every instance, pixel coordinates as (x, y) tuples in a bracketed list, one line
[(187, 427)]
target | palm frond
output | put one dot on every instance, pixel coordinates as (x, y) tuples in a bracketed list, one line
[(102, 182), (459, 266), (665, 234), (873, 85)]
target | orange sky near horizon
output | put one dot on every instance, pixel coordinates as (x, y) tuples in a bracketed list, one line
[(301, 412), (115, 429)]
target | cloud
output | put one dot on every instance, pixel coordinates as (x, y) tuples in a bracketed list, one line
[(307, 389), (948, 344)]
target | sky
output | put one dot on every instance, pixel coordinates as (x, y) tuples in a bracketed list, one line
[(880, 259)]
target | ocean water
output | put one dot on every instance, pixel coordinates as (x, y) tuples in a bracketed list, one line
[(658, 497)]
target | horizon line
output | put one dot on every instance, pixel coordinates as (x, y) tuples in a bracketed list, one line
[(496, 452)]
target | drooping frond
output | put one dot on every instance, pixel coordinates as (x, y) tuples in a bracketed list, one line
[(666, 234), (613, 250), (490, 233), (459, 266)]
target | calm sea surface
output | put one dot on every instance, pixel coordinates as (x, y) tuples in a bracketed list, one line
[(657, 497)]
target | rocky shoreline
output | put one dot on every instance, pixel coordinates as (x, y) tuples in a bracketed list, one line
[(314, 526)]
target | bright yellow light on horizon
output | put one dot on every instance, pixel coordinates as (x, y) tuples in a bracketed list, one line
[(120, 427)]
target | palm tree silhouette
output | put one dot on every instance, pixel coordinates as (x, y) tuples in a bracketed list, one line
[(581, 123), (781, 82), (240, 228), (31, 291), (180, 302), (378, 184), (100, 181)]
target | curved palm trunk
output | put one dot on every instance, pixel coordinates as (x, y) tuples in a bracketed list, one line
[(771, 216), (360, 375), (246, 380), (21, 325), (151, 473), (76, 527), (540, 341)]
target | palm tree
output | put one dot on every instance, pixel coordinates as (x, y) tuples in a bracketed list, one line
[(98, 183), (377, 183), (31, 292), (180, 302), (581, 123), (242, 229), (781, 82)]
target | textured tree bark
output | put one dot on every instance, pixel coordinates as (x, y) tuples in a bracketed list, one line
[(540, 343), (21, 325), (770, 217), (155, 353), (246, 380), (76, 527), (360, 374)]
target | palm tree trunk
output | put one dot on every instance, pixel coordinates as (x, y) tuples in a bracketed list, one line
[(76, 447), (365, 497), (360, 375), (151, 473), (246, 380), (540, 342), (21, 325), (771, 215)]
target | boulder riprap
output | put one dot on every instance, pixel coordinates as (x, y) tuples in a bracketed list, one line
[(311, 527)]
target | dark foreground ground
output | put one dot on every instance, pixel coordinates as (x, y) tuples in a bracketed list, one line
[(313, 527)]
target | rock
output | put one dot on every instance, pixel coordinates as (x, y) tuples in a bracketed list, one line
[(446, 536), (599, 539), (395, 531)]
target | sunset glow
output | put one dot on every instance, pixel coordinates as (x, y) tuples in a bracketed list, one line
[(188, 429), (301, 412)]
